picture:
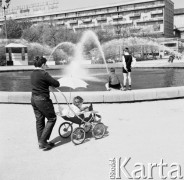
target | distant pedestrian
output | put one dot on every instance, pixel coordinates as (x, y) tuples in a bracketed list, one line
[(113, 81), (171, 58), (41, 102), (128, 62)]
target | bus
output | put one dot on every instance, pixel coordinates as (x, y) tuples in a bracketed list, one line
[(169, 47)]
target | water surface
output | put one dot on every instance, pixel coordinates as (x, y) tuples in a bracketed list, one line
[(141, 79)]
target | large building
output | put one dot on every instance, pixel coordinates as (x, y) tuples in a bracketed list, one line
[(143, 16), (179, 22)]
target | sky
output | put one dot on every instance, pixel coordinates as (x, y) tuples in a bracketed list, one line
[(76, 4)]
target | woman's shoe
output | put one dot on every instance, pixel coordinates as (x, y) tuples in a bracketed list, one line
[(51, 144), (44, 145)]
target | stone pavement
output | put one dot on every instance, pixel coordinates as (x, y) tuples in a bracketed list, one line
[(146, 132)]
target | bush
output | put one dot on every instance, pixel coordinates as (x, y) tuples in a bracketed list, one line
[(36, 49), (2, 54)]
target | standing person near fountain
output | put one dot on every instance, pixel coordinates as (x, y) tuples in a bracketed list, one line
[(41, 102), (128, 62)]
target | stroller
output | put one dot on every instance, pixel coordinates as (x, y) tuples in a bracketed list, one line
[(78, 134)]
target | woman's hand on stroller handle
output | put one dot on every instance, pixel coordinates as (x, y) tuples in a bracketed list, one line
[(51, 88)]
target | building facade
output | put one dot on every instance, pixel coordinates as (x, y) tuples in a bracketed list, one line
[(138, 17), (179, 22)]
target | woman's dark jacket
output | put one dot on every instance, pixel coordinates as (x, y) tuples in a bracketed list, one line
[(40, 82)]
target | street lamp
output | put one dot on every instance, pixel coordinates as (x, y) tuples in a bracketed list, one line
[(5, 6)]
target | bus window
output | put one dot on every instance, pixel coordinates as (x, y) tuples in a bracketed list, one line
[(170, 44)]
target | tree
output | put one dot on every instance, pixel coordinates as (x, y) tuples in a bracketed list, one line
[(67, 35), (30, 34), (15, 28), (104, 35), (50, 35), (34, 33), (2, 55), (25, 24)]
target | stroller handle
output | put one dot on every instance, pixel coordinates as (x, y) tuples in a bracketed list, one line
[(59, 108)]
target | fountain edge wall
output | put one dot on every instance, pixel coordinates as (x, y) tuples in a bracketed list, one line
[(101, 96)]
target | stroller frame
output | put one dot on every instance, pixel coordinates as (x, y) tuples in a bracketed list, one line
[(78, 134)]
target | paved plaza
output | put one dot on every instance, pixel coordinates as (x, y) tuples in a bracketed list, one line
[(146, 132)]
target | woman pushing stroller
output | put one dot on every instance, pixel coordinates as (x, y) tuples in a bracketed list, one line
[(42, 105)]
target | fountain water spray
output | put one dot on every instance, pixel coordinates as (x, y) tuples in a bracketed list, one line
[(76, 66), (60, 44)]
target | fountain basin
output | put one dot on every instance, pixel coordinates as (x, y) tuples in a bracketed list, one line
[(137, 95), (144, 76), (101, 96)]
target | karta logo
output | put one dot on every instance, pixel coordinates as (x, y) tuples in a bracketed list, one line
[(119, 169)]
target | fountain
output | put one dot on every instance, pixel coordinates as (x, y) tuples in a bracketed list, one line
[(75, 68)]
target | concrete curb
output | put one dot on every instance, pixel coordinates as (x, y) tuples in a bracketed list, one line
[(100, 96)]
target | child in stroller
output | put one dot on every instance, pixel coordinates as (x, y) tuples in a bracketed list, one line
[(78, 111)]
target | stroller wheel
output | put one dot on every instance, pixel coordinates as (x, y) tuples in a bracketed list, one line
[(98, 130), (65, 129), (78, 136)]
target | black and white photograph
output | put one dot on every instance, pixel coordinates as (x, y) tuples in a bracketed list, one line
[(91, 90)]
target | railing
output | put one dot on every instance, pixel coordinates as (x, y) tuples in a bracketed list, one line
[(122, 22), (84, 26), (87, 20), (135, 15), (73, 21), (150, 19), (157, 12), (60, 23), (117, 17), (101, 18)]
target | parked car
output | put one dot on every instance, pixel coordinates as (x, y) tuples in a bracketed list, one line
[(110, 61)]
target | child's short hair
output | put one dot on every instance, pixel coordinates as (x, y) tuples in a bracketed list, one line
[(126, 49), (79, 98), (112, 69)]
